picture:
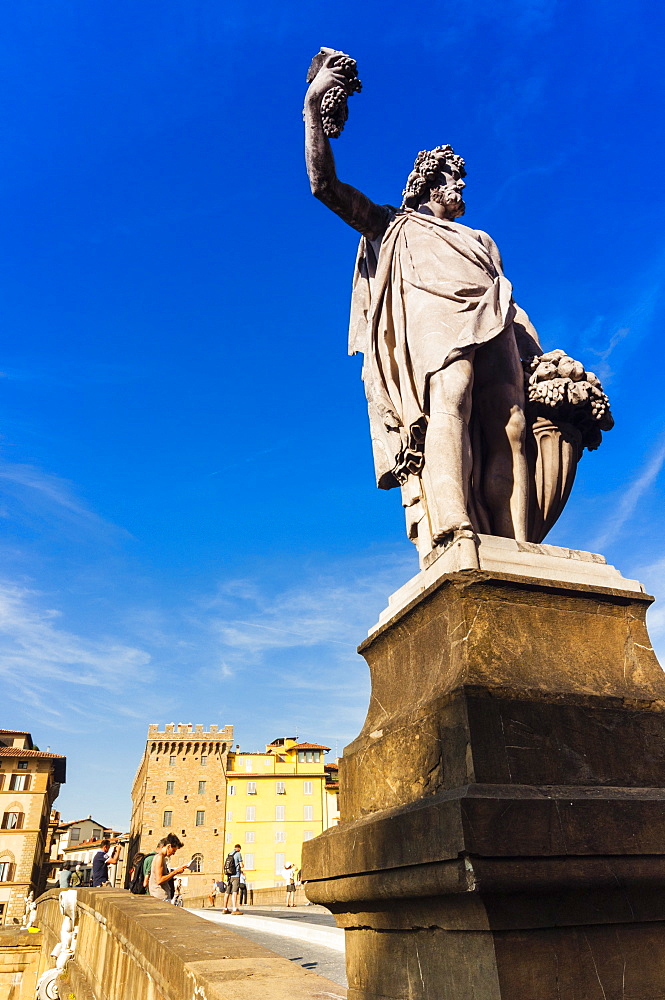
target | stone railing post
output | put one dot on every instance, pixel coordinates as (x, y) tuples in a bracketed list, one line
[(47, 985)]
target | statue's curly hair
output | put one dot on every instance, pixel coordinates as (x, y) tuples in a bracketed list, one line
[(428, 173)]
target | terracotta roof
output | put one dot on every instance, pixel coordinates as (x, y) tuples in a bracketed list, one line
[(17, 732), (86, 819), (59, 760), (309, 746), (331, 767), (87, 844)]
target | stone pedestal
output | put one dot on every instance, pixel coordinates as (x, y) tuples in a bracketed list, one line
[(502, 831)]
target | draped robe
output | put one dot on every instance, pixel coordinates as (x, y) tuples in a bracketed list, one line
[(425, 294)]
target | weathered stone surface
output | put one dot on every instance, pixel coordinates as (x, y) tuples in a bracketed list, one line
[(503, 808), (134, 947)]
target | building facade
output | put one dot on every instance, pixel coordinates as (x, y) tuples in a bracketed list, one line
[(180, 787), (76, 832), (29, 783), (275, 801), (82, 854)]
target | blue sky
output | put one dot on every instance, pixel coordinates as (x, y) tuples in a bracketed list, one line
[(191, 527)]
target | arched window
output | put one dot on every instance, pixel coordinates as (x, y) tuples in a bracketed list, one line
[(197, 863)]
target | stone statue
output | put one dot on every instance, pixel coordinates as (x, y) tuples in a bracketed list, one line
[(29, 912), (48, 983), (480, 430)]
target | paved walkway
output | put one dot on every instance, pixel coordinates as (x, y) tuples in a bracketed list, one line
[(313, 928), (306, 935)]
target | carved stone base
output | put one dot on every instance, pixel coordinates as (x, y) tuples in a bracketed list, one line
[(503, 812)]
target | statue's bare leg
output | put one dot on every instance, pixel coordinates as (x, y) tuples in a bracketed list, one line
[(499, 396), (448, 459)]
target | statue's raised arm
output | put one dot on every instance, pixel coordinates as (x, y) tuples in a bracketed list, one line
[(332, 79)]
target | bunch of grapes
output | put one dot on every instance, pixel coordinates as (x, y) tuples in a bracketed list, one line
[(334, 107), (334, 112)]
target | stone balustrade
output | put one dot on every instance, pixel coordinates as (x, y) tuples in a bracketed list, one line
[(269, 896), (138, 948)]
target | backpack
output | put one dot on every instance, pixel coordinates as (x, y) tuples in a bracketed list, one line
[(230, 864), (136, 885), (76, 879)]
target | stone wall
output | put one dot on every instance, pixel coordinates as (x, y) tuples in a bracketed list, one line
[(19, 959), (139, 948), (256, 897)]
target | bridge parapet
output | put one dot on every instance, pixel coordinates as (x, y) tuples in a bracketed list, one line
[(139, 948)]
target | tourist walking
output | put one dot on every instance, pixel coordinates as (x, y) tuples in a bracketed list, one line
[(289, 875), (77, 877), (232, 871), (64, 876)]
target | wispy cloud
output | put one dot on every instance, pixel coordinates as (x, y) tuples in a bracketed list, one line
[(332, 608), (631, 497), (43, 663), (605, 337), (31, 493)]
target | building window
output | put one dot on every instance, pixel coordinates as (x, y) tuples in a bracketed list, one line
[(75, 835), (250, 814), (170, 785), (280, 813), (168, 817), (280, 858), (280, 788), (232, 789), (280, 837), (197, 863), (307, 787), (12, 821), (200, 817), (250, 836), (202, 787), (248, 860), (309, 756), (22, 765), (308, 813), (5, 871), (251, 788), (227, 838), (229, 817), (172, 760), (307, 835), (19, 783), (96, 834), (204, 760), (249, 766)]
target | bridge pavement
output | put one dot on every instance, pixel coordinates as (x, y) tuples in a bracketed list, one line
[(305, 935)]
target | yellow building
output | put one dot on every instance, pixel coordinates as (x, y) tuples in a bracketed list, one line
[(29, 783), (276, 800)]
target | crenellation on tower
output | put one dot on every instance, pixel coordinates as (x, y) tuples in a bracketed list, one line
[(180, 787)]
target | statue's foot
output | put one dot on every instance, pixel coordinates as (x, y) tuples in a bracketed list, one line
[(448, 534)]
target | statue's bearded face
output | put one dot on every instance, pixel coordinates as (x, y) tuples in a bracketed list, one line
[(449, 193)]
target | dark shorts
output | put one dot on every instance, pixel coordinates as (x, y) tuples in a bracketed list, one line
[(233, 883), (291, 887)]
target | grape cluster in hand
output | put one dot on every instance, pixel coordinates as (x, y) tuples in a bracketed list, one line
[(334, 107)]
